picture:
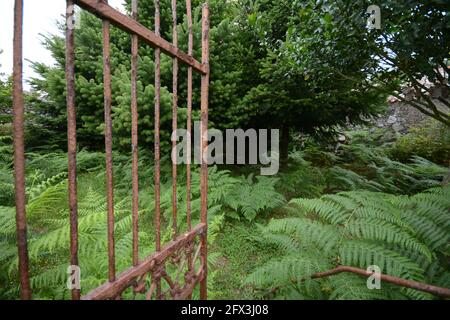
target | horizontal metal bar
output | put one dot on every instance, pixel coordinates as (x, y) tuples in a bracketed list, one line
[(125, 280), (104, 11)]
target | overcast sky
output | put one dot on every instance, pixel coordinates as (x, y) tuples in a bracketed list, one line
[(39, 18)]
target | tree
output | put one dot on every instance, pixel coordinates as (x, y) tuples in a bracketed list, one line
[(413, 44), (305, 55), (49, 104), (264, 74)]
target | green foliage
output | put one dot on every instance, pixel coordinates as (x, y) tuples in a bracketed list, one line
[(405, 236), (251, 198), (50, 113), (5, 100), (307, 66), (377, 172), (363, 163), (313, 91), (331, 38), (240, 252), (48, 235), (48, 221), (251, 71), (431, 141), (6, 174)]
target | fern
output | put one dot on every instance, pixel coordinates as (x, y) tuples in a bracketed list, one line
[(48, 239), (251, 198), (406, 237), (352, 287)]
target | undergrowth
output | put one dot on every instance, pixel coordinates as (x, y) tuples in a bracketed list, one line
[(366, 198), (407, 237)]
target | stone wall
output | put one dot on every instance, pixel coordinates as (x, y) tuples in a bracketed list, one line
[(401, 117)]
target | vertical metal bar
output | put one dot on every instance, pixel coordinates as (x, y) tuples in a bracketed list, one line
[(72, 139), (19, 152), (174, 117), (204, 147), (189, 116), (134, 137), (157, 140), (108, 147), (189, 130)]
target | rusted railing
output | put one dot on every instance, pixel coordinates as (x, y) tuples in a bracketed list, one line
[(181, 250)]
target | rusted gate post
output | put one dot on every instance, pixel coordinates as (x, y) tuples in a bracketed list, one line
[(157, 282), (19, 152), (204, 146), (108, 149), (154, 265), (72, 139)]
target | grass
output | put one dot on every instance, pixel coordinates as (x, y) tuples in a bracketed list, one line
[(240, 254)]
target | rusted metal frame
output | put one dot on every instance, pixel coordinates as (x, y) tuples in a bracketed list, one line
[(72, 140), (177, 292), (150, 292), (189, 130), (107, 13), (126, 279), (204, 146), (157, 138), (174, 118), (180, 269), (186, 292), (134, 138), (189, 115), (129, 25), (108, 149), (438, 291), (19, 152)]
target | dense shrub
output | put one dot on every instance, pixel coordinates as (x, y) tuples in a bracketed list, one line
[(431, 141)]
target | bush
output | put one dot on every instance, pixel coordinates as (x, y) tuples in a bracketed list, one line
[(431, 141)]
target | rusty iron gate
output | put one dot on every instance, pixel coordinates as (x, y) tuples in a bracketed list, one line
[(187, 251)]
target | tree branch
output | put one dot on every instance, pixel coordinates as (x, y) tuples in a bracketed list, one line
[(415, 285), (437, 291)]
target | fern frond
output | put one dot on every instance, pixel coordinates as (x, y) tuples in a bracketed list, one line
[(327, 210), (286, 271), (307, 231), (365, 254), (371, 229), (353, 287)]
